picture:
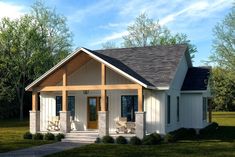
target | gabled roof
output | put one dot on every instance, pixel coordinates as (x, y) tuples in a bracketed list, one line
[(151, 67), (196, 79)]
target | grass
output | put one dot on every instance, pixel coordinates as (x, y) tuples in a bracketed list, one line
[(218, 144), (11, 133)]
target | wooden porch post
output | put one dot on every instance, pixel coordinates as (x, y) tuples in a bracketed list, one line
[(140, 99), (64, 92), (103, 119), (34, 101), (103, 91)]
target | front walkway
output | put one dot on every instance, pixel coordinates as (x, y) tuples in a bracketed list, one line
[(40, 151)]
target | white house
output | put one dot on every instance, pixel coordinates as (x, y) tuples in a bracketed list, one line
[(156, 88)]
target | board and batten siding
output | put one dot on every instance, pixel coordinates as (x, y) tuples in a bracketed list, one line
[(174, 92), (153, 106), (192, 110)]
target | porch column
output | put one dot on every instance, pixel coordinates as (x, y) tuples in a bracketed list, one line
[(103, 115), (34, 114), (65, 125), (140, 119)]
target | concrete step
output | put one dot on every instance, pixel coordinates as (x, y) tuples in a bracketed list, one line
[(78, 141)]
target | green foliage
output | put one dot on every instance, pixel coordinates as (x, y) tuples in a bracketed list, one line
[(168, 138), (97, 140), (135, 141), (121, 140), (146, 32), (222, 84), (224, 44), (38, 136), (49, 136), (59, 137), (209, 129), (27, 135), (29, 46), (107, 139), (151, 139), (183, 134)]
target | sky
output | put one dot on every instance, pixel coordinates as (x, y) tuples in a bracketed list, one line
[(93, 22)]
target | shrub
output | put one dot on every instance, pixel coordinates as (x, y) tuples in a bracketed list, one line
[(27, 135), (168, 138), (135, 141), (148, 140), (38, 136), (121, 140), (157, 137), (59, 136), (210, 128), (107, 139), (183, 133), (49, 136), (98, 140)]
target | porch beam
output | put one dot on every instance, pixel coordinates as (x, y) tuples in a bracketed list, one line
[(64, 91), (140, 99), (34, 101), (89, 87)]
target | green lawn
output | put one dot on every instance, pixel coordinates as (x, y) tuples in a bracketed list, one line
[(11, 136), (218, 144)]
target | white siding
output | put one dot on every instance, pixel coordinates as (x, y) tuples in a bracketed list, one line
[(174, 92), (192, 110), (153, 106)]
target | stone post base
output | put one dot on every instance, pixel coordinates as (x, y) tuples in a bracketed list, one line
[(103, 123), (140, 122), (65, 125), (34, 121)]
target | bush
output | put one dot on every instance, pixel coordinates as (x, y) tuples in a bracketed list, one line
[(49, 136), (157, 137), (121, 140), (38, 136), (98, 140), (183, 133), (27, 135), (168, 138), (135, 141), (148, 140), (59, 136), (209, 129), (107, 139)]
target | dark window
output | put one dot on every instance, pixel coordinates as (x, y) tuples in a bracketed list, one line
[(129, 105), (71, 105), (204, 106), (168, 109), (178, 109)]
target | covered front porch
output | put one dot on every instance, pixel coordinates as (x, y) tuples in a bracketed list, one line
[(86, 106)]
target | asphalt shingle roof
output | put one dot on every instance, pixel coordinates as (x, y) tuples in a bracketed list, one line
[(154, 66), (196, 79)]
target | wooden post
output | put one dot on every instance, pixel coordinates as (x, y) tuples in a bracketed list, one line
[(140, 99), (103, 91), (34, 101), (64, 91)]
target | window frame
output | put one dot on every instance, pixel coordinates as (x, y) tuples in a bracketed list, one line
[(168, 109), (178, 109), (60, 108), (133, 107), (204, 108)]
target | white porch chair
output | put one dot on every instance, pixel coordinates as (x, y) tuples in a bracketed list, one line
[(53, 124), (121, 125)]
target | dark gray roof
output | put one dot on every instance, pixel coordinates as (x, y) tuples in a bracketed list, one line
[(154, 66), (196, 78)]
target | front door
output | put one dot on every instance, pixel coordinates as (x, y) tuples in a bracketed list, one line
[(93, 104)]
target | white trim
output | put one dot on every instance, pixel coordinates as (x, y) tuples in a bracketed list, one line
[(94, 57), (194, 91), (163, 88), (52, 69), (114, 68)]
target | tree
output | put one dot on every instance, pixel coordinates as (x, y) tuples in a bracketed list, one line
[(222, 86), (109, 45), (224, 42), (29, 46), (146, 32)]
